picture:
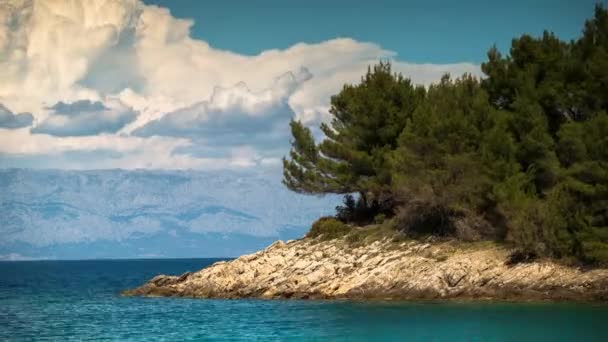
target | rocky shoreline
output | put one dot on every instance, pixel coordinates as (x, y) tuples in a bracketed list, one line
[(314, 269)]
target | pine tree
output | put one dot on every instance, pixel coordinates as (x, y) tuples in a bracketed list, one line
[(367, 119), (520, 155)]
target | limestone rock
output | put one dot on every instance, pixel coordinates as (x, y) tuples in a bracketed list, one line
[(308, 268)]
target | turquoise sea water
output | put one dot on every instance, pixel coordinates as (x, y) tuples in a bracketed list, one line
[(79, 300)]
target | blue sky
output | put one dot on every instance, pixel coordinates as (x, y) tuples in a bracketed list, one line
[(195, 89), (423, 31)]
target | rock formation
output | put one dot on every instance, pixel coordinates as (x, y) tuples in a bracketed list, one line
[(309, 268)]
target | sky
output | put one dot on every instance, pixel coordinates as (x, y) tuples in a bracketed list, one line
[(420, 31), (213, 84), (208, 86)]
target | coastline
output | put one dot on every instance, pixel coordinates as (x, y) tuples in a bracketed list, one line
[(384, 270)]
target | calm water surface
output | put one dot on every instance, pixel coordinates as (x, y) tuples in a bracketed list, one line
[(79, 300)]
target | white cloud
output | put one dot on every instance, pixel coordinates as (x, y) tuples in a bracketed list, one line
[(234, 117), (311, 100), (198, 97), (85, 117), (10, 120), (48, 46)]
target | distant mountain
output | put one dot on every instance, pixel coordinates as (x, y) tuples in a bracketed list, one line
[(143, 213)]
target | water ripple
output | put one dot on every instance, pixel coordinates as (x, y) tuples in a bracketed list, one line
[(78, 300)]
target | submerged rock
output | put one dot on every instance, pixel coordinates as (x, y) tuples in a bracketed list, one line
[(332, 269)]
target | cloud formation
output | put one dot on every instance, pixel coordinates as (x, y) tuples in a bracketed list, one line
[(233, 117), (85, 117), (11, 120), (65, 60)]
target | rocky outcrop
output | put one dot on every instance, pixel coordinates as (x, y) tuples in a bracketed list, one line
[(382, 270)]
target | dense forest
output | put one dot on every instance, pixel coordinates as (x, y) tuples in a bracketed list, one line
[(518, 156)]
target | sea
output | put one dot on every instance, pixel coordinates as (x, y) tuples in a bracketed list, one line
[(80, 301)]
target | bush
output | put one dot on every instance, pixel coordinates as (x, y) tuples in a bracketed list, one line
[(520, 257), (328, 228), (421, 218), (362, 211), (378, 219), (359, 236)]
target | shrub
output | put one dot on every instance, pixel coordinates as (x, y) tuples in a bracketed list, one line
[(421, 218), (520, 257), (328, 228), (378, 219), (362, 211)]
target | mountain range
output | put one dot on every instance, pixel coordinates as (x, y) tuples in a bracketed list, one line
[(70, 214)]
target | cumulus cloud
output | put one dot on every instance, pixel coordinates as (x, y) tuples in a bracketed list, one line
[(234, 116), (78, 107), (48, 46), (11, 120), (154, 79), (85, 117), (310, 101)]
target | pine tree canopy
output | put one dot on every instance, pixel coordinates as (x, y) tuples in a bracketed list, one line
[(520, 155), (367, 120)]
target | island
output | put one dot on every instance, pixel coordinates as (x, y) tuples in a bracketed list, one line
[(492, 187)]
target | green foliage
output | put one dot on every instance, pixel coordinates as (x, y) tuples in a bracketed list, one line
[(423, 219), (353, 210), (378, 219), (366, 121), (361, 211), (383, 231), (566, 79), (328, 228), (520, 156)]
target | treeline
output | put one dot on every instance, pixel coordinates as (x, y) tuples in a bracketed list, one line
[(520, 155)]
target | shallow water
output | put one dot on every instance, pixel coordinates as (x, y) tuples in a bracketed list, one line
[(79, 300)]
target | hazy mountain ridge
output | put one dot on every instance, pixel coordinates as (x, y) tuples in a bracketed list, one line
[(48, 207)]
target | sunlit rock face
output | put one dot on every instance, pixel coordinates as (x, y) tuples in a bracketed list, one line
[(308, 268)]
